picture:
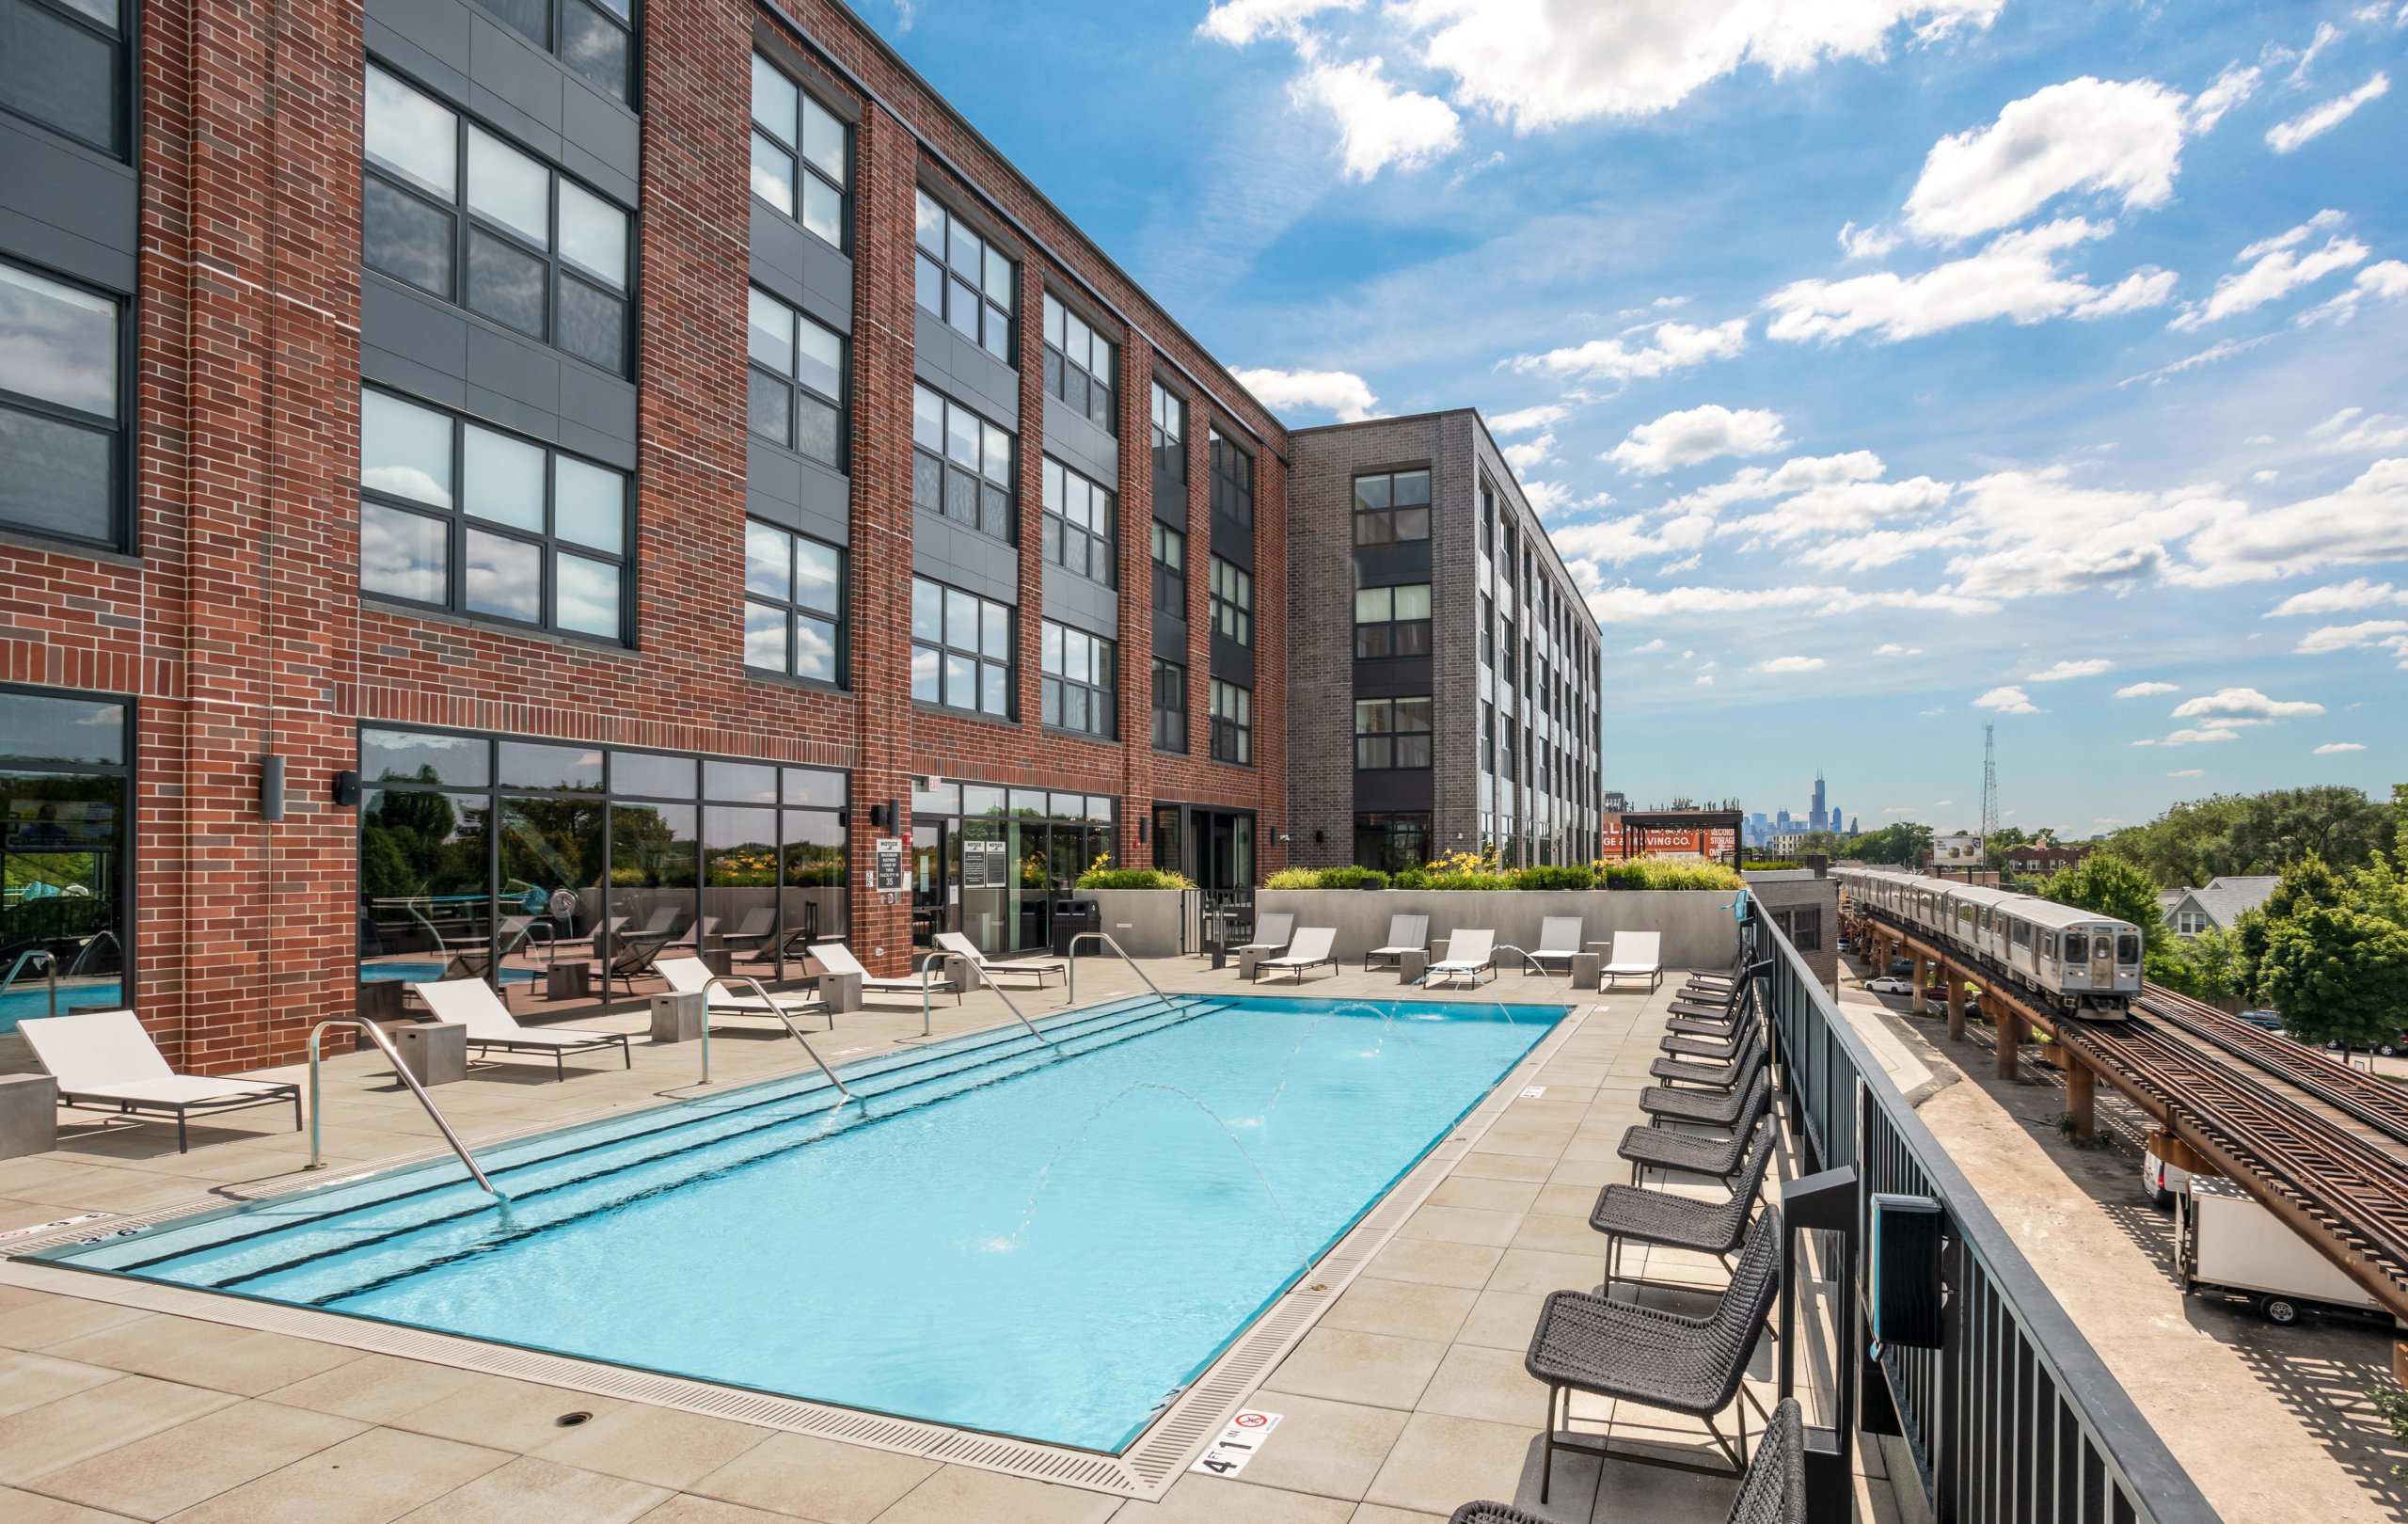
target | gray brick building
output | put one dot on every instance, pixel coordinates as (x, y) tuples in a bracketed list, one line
[(1444, 670)]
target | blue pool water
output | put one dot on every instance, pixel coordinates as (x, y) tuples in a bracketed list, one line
[(32, 998), (427, 973), (1049, 1243)]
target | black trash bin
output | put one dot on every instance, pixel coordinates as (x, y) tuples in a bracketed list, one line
[(1074, 917)]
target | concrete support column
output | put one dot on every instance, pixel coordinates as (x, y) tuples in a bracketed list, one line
[(1955, 1010), (1922, 976), (2009, 1027), (2082, 1100)]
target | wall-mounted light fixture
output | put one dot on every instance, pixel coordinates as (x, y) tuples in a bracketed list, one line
[(271, 789)]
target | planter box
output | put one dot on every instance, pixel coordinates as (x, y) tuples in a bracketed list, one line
[(1144, 921)]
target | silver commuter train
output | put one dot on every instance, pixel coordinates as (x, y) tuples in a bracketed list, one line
[(2078, 960)]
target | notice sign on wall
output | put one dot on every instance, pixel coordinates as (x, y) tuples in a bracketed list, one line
[(889, 868)]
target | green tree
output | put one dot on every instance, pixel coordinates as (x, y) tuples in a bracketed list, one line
[(2209, 966), (2241, 834), (2330, 951), (1905, 844), (2112, 885)]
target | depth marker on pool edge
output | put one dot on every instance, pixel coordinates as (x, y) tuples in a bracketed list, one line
[(1240, 1438)]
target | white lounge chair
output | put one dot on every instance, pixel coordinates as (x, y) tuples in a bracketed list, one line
[(838, 958), (1559, 939), (691, 975), (473, 1004), (1637, 955), (1406, 933), (1309, 948), (1271, 930), (1468, 954), (104, 1059), (961, 946)]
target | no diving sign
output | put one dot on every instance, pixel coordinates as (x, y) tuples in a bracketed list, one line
[(1244, 1436)]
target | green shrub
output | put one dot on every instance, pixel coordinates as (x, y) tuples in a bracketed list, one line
[(1650, 873), (1556, 876), (1294, 878), (1773, 865), (1352, 878), (1412, 879), (1136, 878)]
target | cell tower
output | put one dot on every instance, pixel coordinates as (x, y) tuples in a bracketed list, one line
[(1990, 788)]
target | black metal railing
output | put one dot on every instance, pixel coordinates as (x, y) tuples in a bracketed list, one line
[(2014, 1420)]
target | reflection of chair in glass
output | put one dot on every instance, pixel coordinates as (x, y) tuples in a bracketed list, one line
[(631, 959), (476, 960), (698, 933), (758, 929), (663, 922)]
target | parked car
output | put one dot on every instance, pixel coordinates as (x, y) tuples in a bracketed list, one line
[(1888, 984), (2389, 1047), (1902, 965), (2271, 1020)]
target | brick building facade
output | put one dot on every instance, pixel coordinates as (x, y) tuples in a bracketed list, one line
[(306, 240)]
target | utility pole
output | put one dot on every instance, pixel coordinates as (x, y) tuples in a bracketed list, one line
[(1989, 789)]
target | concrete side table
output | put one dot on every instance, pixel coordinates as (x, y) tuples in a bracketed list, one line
[(1412, 966), (677, 1016), (842, 991), (569, 981), (962, 972), (718, 959), (1585, 970), (1249, 961), (28, 1115), (435, 1052)]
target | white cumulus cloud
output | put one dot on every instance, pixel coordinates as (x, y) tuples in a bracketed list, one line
[(2122, 140), (1379, 124), (1894, 648), (2354, 429), (1529, 454), (2091, 667), (1523, 419), (2185, 773), (2277, 271), (2341, 598), (2016, 277), (1669, 346), (2286, 137), (1341, 392), (2007, 700), (2361, 524), (2336, 748), (1698, 434), (2146, 690), (2035, 531), (2228, 705), (2192, 737), (1239, 21), (2389, 633), (2231, 88), (1792, 663), (1625, 605)]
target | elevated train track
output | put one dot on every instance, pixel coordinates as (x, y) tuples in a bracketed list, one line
[(2321, 1145)]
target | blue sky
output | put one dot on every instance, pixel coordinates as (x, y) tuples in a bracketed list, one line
[(1885, 370)]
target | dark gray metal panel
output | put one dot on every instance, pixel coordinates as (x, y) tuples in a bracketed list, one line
[(433, 350), (1391, 565), (1233, 542), (1395, 678), (606, 404), (604, 139), (1394, 788), (1232, 662), (1072, 599), (1170, 639), (429, 334), (965, 558), (962, 371), (68, 208), (403, 374), (785, 488), (1074, 440), (425, 39), (799, 269)]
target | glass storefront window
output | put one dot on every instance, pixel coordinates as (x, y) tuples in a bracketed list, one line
[(64, 847)]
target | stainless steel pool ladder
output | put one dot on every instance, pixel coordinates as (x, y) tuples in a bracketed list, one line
[(732, 981), (376, 1034), (1106, 938), (931, 960), (35, 955)]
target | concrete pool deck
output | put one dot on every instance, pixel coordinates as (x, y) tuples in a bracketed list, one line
[(1404, 1399)]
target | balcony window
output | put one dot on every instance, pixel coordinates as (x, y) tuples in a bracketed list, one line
[(457, 515), (1170, 707), (62, 64), (1232, 602), (801, 159), (794, 605), (961, 650), (1079, 518), (960, 277), (1392, 621), (1081, 366), (1232, 724), (797, 381), (454, 210), (62, 408), (1170, 450), (961, 465), (1391, 733), (1170, 571), (1392, 508), (1080, 679), (1233, 480)]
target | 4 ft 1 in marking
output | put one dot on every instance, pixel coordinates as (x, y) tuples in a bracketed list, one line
[(1239, 1440)]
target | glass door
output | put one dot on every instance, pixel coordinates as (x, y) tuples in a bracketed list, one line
[(931, 879)]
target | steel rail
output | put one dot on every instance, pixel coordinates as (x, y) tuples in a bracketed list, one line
[(2359, 1095), (385, 1045)]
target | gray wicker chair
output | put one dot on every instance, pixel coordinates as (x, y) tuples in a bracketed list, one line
[(1704, 1047), (1703, 1108), (1696, 1153), (1773, 1492), (1662, 1359), (1632, 1213), (1719, 1076)]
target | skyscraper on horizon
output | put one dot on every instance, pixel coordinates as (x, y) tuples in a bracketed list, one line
[(1819, 818)]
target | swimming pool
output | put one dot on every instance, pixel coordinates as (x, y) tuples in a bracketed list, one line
[(32, 998), (1045, 1242)]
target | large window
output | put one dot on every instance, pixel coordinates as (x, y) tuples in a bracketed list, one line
[(1233, 601), (1488, 737), (593, 36), (1487, 631), (1170, 571), (793, 604), (800, 165), (1170, 706), (1487, 518), (1079, 518), (62, 63), (1392, 842), (1392, 621), (1505, 644), (1082, 677), (961, 465), (1170, 451), (797, 375), (453, 514), (1392, 508), (1233, 480), (454, 210), (1391, 732), (963, 279), (1081, 366), (65, 836), (1232, 724), (61, 405), (961, 650)]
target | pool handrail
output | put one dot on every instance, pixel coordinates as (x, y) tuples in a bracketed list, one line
[(92, 943), (1108, 939), (930, 962), (732, 981), (376, 1034), (47, 959)]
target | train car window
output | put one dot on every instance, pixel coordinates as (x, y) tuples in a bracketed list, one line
[(2127, 949), (2019, 933), (2049, 946), (2077, 947)]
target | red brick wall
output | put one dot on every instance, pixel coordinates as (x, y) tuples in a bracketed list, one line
[(239, 627)]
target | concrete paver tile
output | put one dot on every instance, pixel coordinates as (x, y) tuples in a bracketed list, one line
[(956, 1493), (1408, 1309), (192, 1462), (1325, 1447), (1349, 1366), (1499, 1167), (1462, 1225), (498, 1410), (662, 1446), (817, 1479), (31, 1508), (533, 1491), (1484, 1195), (1383, 1514), (1441, 1462), (375, 1389), (1502, 1320), (199, 1353), (79, 1426), (1428, 1261), (1479, 1383), (31, 1380), (54, 1319), (1209, 1499), (684, 1508), (373, 1476), (1545, 1270)]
